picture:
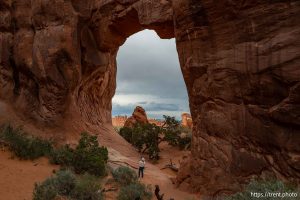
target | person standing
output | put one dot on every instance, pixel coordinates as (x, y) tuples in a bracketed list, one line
[(142, 163)]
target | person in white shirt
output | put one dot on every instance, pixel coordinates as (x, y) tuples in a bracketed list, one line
[(142, 163)]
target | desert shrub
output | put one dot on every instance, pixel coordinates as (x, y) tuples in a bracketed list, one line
[(171, 122), (60, 184), (65, 182), (172, 137), (135, 191), (87, 188), (175, 134), (261, 187), (184, 142), (62, 156), (125, 175), (126, 133), (139, 136), (89, 156), (23, 145), (45, 191), (151, 138), (67, 185), (145, 137)]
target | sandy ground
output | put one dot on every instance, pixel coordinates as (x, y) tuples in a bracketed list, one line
[(168, 154), (153, 173), (17, 177)]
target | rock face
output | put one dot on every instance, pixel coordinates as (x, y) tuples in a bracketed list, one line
[(186, 120), (119, 121), (240, 61), (138, 116)]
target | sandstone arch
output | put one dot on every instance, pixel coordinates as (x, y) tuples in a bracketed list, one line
[(240, 62)]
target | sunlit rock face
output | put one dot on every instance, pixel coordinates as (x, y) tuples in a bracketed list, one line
[(240, 61), (186, 120)]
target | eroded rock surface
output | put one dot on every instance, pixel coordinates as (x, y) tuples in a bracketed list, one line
[(186, 120), (139, 116), (240, 61)]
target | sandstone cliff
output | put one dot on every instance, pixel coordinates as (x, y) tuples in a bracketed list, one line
[(240, 61)]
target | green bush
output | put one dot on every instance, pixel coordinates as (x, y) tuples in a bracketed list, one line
[(260, 187), (172, 137), (125, 175), (89, 157), (145, 137), (45, 191), (87, 188), (60, 184), (175, 134), (23, 145), (62, 156), (126, 133), (67, 185), (151, 138), (65, 182), (139, 136), (135, 191)]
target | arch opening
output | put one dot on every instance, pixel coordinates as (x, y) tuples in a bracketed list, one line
[(149, 75)]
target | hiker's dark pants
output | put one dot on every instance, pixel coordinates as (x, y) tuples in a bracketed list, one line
[(141, 172)]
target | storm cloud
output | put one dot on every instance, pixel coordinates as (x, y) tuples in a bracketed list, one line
[(149, 75)]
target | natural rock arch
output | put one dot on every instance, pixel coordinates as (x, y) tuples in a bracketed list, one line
[(240, 62)]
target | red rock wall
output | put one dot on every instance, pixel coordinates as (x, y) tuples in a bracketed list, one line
[(240, 61)]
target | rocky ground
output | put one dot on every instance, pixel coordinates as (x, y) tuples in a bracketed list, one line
[(17, 178)]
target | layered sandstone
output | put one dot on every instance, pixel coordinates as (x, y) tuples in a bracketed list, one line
[(138, 116), (119, 121), (240, 61), (186, 120)]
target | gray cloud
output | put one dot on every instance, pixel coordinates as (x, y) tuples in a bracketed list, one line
[(148, 65), (122, 109), (142, 102), (150, 108)]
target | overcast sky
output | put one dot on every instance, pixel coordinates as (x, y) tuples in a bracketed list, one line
[(149, 75)]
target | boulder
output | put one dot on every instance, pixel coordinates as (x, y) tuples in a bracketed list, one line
[(138, 116)]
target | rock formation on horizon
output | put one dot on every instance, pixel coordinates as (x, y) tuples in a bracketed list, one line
[(119, 121), (138, 116), (240, 62), (186, 120)]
